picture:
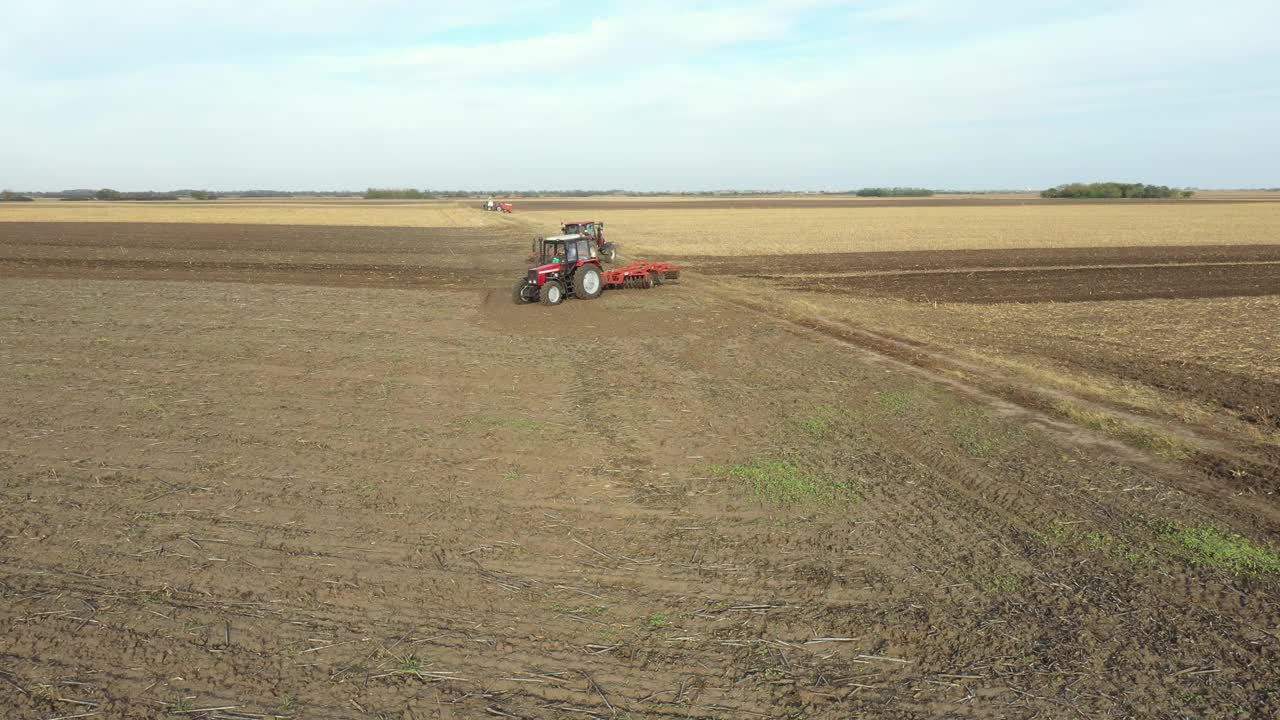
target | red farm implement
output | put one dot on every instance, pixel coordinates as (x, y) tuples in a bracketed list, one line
[(641, 275)]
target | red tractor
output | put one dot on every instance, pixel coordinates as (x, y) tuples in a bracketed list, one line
[(566, 265), (594, 230), (569, 265), (496, 206)]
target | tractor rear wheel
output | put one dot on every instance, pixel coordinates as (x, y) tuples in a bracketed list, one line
[(521, 293), (587, 283), (552, 292)]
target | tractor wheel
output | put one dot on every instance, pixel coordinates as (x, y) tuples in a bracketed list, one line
[(521, 293), (610, 253), (552, 292), (587, 283)]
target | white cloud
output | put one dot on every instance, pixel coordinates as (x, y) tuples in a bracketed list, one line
[(656, 95), (646, 35)]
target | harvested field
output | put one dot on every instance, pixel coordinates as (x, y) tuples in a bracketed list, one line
[(272, 471), (813, 202), (801, 230), (805, 202)]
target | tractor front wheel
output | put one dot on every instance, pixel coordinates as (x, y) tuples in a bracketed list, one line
[(552, 292), (524, 293), (587, 283), (610, 253)]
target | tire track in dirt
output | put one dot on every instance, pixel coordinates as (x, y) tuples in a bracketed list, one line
[(1058, 284), (886, 261), (1037, 406), (964, 503)]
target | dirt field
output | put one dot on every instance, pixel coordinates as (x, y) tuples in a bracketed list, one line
[(307, 471), (290, 212)]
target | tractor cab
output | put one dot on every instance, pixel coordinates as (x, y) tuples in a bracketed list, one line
[(563, 250), (594, 231), (591, 229)]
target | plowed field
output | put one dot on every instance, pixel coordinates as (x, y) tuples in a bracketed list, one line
[(322, 472)]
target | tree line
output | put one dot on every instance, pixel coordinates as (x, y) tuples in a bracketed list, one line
[(1114, 190), (193, 193), (893, 192)]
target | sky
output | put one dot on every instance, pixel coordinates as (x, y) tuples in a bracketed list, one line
[(641, 95)]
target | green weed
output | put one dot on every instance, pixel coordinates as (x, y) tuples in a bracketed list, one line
[(818, 425), (975, 442), (1060, 530), (782, 482), (1207, 545), (411, 665), (656, 620), (1003, 584), (1113, 546), (896, 401)]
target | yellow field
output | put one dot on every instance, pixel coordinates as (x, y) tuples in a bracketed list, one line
[(821, 230), (750, 231), (255, 213)]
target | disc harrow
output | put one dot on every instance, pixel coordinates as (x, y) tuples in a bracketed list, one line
[(641, 275)]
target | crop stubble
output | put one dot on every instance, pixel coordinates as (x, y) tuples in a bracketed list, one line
[(326, 499)]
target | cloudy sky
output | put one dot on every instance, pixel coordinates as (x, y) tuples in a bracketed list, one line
[(797, 94)]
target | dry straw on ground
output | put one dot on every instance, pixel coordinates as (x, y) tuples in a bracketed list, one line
[(824, 230)]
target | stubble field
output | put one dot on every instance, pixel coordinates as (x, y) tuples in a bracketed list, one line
[(854, 463)]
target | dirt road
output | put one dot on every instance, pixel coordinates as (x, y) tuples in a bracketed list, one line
[(364, 484)]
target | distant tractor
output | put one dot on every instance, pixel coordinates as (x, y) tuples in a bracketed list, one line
[(496, 206), (569, 266), (594, 230)]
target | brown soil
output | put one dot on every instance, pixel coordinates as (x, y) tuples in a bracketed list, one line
[(963, 261), (1062, 284), (285, 254), (312, 498), (388, 243), (1056, 275)]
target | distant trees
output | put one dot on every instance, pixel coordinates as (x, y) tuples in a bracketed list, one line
[(396, 194), (1114, 190), (9, 196), (112, 195), (894, 192), (80, 194), (203, 195)]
